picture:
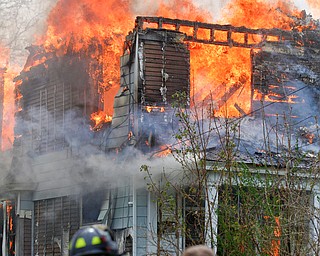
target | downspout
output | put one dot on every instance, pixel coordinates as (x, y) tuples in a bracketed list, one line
[(134, 219), (32, 229), (18, 225), (4, 232), (135, 96)]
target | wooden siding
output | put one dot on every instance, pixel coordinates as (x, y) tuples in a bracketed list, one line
[(55, 95), (166, 64)]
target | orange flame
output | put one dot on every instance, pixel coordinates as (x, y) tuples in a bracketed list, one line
[(7, 100), (9, 214), (273, 97), (99, 118), (220, 73), (9, 109), (164, 151), (155, 109), (218, 69)]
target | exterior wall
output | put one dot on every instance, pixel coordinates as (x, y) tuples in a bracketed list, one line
[(24, 212), (56, 174), (315, 221), (122, 108), (57, 98), (152, 216), (157, 67), (51, 214), (131, 217), (211, 210)]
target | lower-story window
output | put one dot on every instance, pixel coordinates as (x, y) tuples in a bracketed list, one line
[(55, 221), (253, 221)]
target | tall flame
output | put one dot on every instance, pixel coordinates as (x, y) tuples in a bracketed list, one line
[(9, 108), (261, 14), (7, 100), (221, 71)]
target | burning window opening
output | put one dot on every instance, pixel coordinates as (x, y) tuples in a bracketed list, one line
[(267, 40), (279, 70)]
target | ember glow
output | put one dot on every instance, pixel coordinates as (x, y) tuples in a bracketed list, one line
[(155, 109), (223, 74), (164, 151), (273, 97)]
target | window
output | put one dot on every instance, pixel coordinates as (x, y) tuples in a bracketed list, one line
[(253, 221)]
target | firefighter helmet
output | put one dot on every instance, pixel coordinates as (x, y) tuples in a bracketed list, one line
[(93, 240)]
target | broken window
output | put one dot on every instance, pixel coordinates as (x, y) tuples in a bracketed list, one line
[(91, 206), (194, 212)]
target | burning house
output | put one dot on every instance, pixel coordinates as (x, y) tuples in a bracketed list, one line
[(49, 186)]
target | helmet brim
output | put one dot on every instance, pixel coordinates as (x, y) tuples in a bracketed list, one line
[(91, 252)]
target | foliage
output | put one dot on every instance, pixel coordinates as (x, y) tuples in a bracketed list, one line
[(240, 205)]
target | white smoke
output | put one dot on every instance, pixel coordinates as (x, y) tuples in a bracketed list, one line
[(214, 7)]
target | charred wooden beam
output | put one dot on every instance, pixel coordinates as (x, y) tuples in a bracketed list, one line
[(276, 36), (241, 111), (227, 95)]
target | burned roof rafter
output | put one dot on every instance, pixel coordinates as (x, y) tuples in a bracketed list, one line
[(267, 35)]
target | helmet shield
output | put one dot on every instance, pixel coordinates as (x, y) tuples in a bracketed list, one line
[(93, 241)]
